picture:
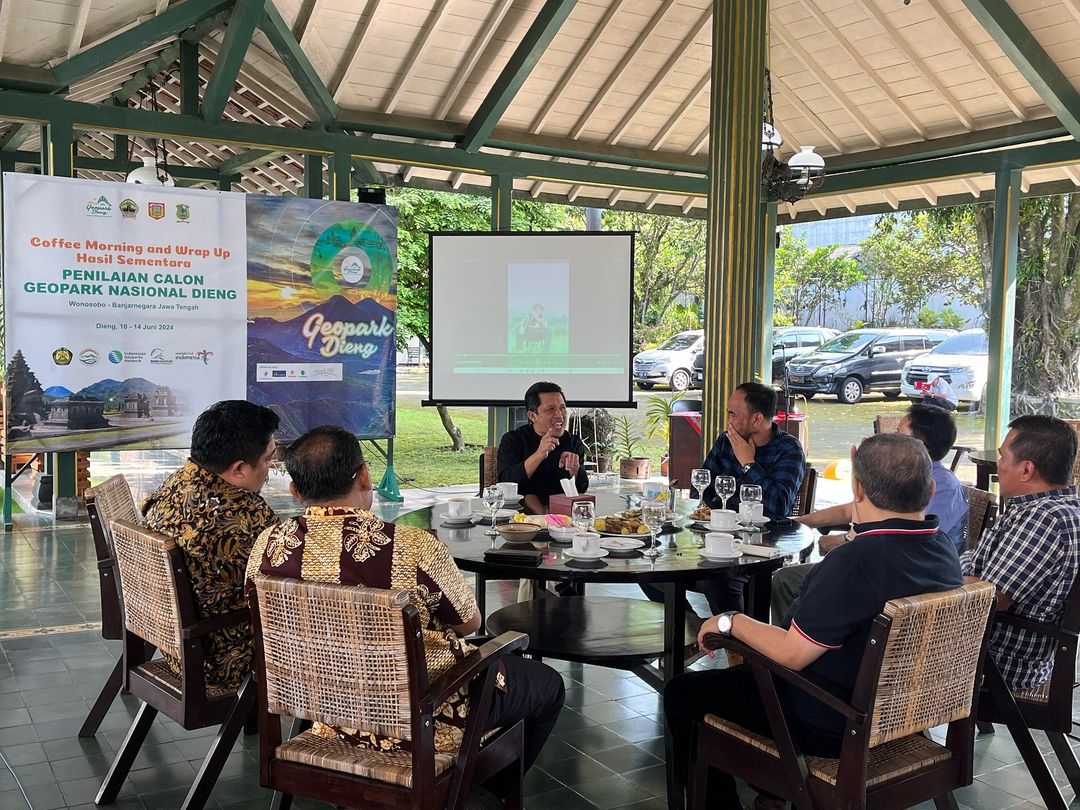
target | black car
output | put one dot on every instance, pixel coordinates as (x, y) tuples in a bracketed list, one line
[(788, 342), (859, 361)]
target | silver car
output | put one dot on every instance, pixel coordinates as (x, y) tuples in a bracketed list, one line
[(670, 363)]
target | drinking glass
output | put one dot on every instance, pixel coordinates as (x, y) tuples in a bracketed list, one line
[(750, 493), (701, 478), (583, 516), (725, 488), (493, 497), (652, 515)]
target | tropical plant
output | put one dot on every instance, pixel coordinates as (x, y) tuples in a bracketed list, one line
[(627, 439), (657, 413), (596, 428)]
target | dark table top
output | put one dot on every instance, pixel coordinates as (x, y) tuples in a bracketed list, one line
[(988, 457), (679, 561)]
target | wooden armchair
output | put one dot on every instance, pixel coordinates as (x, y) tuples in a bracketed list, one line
[(108, 501), (804, 498), (1048, 707), (921, 668), (354, 657), (159, 610), (982, 512), (887, 422)]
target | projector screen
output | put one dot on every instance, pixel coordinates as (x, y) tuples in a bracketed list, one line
[(509, 309)]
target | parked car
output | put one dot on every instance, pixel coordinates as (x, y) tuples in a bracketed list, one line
[(788, 342), (861, 360), (962, 361), (669, 363)]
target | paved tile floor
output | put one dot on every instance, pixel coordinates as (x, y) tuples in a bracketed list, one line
[(606, 752)]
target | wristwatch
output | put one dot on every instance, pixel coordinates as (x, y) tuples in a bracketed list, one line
[(746, 467), (723, 622)]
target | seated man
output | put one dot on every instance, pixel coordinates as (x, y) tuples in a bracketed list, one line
[(1032, 554), (899, 552), (936, 429), (339, 540), (539, 455), (754, 451), (212, 508)]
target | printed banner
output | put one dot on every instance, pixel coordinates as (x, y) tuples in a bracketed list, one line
[(125, 311), (323, 308)]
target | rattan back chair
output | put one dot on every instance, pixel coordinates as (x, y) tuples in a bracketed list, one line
[(1048, 707), (887, 422), (108, 501), (982, 512), (354, 657), (804, 498), (159, 612), (921, 668), (489, 470), (1075, 425)]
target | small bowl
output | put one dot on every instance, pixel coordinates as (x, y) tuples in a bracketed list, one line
[(562, 533), (517, 532)]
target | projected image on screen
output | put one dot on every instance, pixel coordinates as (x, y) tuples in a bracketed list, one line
[(510, 309), (538, 304)]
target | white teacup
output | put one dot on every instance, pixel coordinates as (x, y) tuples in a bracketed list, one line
[(721, 544), (586, 543), (460, 507), (751, 512), (722, 519), (508, 489)]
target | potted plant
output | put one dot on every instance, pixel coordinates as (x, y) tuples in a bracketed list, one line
[(627, 444), (595, 428), (658, 423)]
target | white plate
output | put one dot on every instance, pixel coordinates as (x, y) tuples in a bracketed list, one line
[(719, 557), (623, 543), (573, 555), (705, 528), (761, 521), (464, 521), (502, 514), (619, 534)]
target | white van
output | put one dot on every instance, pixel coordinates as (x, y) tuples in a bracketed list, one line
[(962, 361), (670, 363)]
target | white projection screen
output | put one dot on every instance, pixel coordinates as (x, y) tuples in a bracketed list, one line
[(509, 309)]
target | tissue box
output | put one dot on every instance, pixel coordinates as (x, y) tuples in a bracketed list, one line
[(563, 504)]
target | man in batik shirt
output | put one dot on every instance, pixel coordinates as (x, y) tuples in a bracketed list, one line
[(338, 539), (212, 508)]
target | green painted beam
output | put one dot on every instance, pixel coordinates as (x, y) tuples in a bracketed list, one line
[(298, 65), (168, 24), (245, 160), (517, 70), (122, 166), (189, 77), (15, 137), (230, 57), (1047, 154), (1001, 323), (1037, 67), (30, 79), (151, 69)]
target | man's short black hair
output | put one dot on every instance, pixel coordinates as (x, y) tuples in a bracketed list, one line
[(532, 396), (323, 463), (1047, 442), (934, 427), (759, 398), (229, 431), (894, 471)]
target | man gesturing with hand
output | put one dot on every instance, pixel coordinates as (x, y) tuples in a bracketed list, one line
[(539, 455)]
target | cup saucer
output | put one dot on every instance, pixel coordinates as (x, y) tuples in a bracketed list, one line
[(577, 555), (720, 557)]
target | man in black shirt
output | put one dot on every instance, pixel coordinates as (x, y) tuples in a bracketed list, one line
[(897, 552), (539, 455)]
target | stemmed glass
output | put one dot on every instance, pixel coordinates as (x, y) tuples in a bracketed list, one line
[(583, 516), (725, 488), (750, 494), (493, 497), (700, 479), (652, 515)]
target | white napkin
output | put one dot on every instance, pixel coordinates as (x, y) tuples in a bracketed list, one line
[(569, 487), (757, 550)]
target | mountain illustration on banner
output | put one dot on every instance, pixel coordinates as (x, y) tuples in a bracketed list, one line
[(288, 336)]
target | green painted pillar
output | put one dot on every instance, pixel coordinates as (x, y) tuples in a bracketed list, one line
[(1002, 305), (58, 159), (502, 196), (341, 177), (224, 182), (734, 262), (314, 188), (763, 294)]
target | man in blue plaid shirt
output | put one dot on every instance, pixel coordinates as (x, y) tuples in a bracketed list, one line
[(1032, 553)]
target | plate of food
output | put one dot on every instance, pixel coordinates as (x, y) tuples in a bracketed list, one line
[(700, 515), (618, 525)]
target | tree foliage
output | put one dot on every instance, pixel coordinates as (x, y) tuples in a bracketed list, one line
[(810, 281)]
